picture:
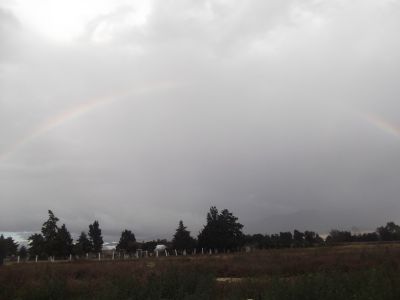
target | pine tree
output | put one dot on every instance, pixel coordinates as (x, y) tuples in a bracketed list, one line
[(210, 235), (95, 237), (182, 239), (83, 245), (50, 228), (49, 232), (37, 245), (11, 246), (127, 242), (63, 242), (7, 247)]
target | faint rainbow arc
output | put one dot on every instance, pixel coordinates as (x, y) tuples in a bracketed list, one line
[(75, 112), (54, 122), (383, 124)]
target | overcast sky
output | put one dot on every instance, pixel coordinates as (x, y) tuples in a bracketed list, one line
[(142, 113)]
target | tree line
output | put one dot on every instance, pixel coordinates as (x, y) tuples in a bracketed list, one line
[(222, 232)]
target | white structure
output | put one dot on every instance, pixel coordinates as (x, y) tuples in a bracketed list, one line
[(160, 248)]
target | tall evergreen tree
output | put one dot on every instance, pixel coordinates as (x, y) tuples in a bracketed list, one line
[(7, 247), (83, 245), (209, 236), (95, 236), (50, 228), (231, 230), (49, 232), (36, 244), (12, 246), (127, 242), (63, 242), (182, 239)]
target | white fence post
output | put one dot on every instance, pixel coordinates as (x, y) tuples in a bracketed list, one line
[(113, 255), (36, 258), (176, 253), (99, 256), (18, 259)]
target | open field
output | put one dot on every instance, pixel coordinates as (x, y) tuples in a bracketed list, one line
[(342, 272)]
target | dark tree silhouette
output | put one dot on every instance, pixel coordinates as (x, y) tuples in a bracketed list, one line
[(222, 231), (182, 239), (209, 236), (95, 237), (311, 239), (231, 233), (257, 241), (7, 247), (366, 237), (275, 240), (339, 236), (49, 232), (22, 252), (285, 239), (12, 246), (36, 244), (390, 232), (298, 238), (63, 242), (151, 245), (3, 249), (83, 245), (127, 242)]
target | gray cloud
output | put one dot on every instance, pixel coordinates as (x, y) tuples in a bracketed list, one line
[(258, 107)]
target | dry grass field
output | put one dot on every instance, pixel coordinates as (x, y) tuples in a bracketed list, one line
[(358, 271)]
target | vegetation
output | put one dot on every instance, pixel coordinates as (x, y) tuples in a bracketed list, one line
[(95, 237), (182, 239), (7, 248), (127, 242), (222, 231), (55, 241), (285, 265), (362, 271), (83, 245)]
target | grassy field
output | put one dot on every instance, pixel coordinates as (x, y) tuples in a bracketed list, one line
[(343, 272)]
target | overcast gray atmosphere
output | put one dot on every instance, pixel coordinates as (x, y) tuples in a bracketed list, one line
[(142, 113)]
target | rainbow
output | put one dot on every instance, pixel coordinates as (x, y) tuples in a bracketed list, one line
[(75, 112), (383, 124), (53, 122)]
